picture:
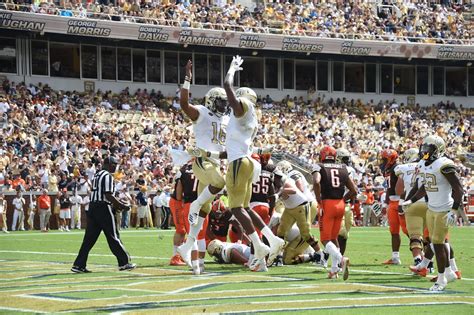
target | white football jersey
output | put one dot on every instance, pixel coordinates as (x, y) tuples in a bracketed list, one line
[(210, 130), (294, 200), (296, 175), (351, 171), (227, 249), (437, 187), (240, 132), (408, 172)]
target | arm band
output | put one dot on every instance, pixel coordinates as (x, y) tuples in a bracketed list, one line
[(187, 85), (213, 154)]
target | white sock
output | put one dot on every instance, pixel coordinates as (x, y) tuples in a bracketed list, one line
[(396, 255), (335, 255), (195, 229), (195, 264), (442, 279), (255, 239), (204, 196), (452, 265), (175, 250), (201, 245), (269, 234), (424, 263), (201, 261)]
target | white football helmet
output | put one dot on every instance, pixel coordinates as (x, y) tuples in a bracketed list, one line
[(247, 93), (343, 156), (216, 101), (433, 148), (214, 247), (284, 167), (410, 155)]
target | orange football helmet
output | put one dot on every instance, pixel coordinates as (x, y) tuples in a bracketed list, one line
[(265, 158), (327, 153), (388, 157), (256, 157)]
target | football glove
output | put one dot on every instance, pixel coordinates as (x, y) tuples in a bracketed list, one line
[(236, 63), (451, 218), (196, 152)]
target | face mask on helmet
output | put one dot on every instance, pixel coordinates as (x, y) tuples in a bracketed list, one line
[(429, 152), (220, 107)]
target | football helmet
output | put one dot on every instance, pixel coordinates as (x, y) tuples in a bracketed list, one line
[(256, 157), (284, 166), (327, 153), (388, 158), (343, 156), (410, 155), (247, 93), (218, 205), (214, 248), (216, 101), (433, 148), (265, 158)]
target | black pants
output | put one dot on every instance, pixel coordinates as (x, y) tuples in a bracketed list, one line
[(165, 216), (100, 217)]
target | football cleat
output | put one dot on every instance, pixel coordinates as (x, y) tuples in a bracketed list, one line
[(80, 269), (450, 275), (176, 260), (261, 251), (275, 250), (332, 275), (258, 265), (458, 274), (392, 261), (436, 288), (420, 272), (185, 252), (278, 261), (345, 268), (196, 270), (127, 267)]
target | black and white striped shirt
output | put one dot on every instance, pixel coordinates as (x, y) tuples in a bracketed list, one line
[(102, 183)]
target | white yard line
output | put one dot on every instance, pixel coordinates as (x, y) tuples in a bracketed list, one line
[(26, 310), (346, 307)]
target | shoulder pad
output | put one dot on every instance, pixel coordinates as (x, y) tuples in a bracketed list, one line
[(448, 168), (316, 168), (398, 170)]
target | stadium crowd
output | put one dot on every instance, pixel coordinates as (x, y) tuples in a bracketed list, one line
[(56, 139), (401, 20)]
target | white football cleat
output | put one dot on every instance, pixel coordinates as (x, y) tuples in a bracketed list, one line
[(258, 265), (261, 251), (450, 275), (437, 288), (276, 248), (196, 270), (185, 252)]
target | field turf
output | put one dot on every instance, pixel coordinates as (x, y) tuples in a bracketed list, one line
[(35, 277)]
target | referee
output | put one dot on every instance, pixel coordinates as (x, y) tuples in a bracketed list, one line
[(100, 217)]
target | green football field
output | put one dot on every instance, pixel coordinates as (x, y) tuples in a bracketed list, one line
[(36, 278)]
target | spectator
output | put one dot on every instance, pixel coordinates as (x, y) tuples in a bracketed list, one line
[(142, 211), (44, 209), (18, 212), (64, 210), (3, 213)]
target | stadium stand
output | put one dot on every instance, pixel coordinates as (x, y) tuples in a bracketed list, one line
[(398, 21)]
